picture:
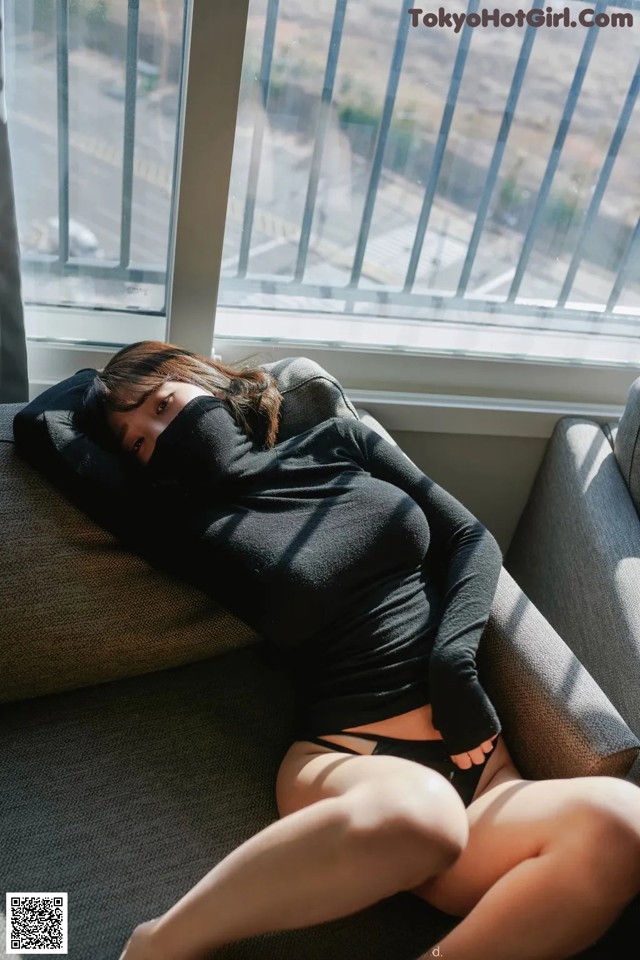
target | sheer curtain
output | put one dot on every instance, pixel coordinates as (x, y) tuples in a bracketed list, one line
[(14, 381)]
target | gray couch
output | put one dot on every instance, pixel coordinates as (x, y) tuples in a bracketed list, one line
[(141, 726), (581, 529)]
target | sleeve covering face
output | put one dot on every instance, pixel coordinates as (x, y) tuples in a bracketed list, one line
[(202, 451), (470, 560)]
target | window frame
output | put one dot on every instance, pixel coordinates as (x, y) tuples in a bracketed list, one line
[(433, 388)]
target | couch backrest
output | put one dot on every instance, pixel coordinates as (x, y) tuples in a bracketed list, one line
[(627, 442), (78, 609)]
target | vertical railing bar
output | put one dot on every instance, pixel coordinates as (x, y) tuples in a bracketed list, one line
[(554, 157), (187, 26), (441, 143), (381, 143), (62, 64), (623, 270), (133, 23), (258, 136), (496, 159), (601, 185), (324, 114)]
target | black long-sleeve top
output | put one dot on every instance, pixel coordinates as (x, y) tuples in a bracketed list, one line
[(370, 581)]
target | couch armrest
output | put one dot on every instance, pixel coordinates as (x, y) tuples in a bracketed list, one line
[(576, 554), (557, 721)]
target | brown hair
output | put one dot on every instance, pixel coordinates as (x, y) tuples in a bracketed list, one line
[(141, 368)]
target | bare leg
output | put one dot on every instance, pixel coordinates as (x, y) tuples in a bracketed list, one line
[(563, 896), (322, 862), (530, 915)]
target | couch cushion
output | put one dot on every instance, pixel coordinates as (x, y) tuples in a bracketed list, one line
[(87, 472), (627, 445), (81, 603), (580, 530), (79, 609), (126, 794)]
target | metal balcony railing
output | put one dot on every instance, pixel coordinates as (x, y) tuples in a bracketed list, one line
[(351, 291)]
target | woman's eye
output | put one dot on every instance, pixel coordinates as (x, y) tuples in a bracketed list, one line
[(163, 403), (135, 447)]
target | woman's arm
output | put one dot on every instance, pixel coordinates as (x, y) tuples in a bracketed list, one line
[(470, 559), (201, 450)]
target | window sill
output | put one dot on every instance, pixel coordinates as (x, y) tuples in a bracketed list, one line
[(439, 377)]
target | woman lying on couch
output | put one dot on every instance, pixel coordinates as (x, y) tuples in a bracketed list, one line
[(374, 586)]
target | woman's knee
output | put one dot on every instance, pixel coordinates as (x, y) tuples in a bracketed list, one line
[(423, 816), (613, 808), (602, 833)]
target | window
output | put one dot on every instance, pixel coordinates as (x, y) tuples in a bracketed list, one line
[(395, 187), (485, 178), (93, 97)]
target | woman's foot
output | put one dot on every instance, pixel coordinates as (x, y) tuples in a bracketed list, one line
[(138, 946)]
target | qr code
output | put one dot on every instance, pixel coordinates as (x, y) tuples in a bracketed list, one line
[(36, 923)]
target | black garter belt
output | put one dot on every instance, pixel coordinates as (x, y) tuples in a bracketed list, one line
[(430, 753)]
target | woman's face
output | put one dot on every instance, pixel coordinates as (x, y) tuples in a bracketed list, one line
[(138, 429)]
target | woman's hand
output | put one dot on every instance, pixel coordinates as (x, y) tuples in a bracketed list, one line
[(477, 755)]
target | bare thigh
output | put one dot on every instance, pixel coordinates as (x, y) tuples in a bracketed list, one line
[(384, 786), (510, 819), (516, 819), (309, 772)]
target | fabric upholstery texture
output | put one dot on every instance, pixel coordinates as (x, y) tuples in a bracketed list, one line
[(530, 673), (580, 529), (611, 432), (310, 395), (125, 794), (627, 443), (93, 478)]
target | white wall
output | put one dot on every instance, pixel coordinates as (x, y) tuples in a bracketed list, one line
[(491, 476)]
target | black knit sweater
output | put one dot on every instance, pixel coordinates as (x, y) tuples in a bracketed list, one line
[(371, 583)]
